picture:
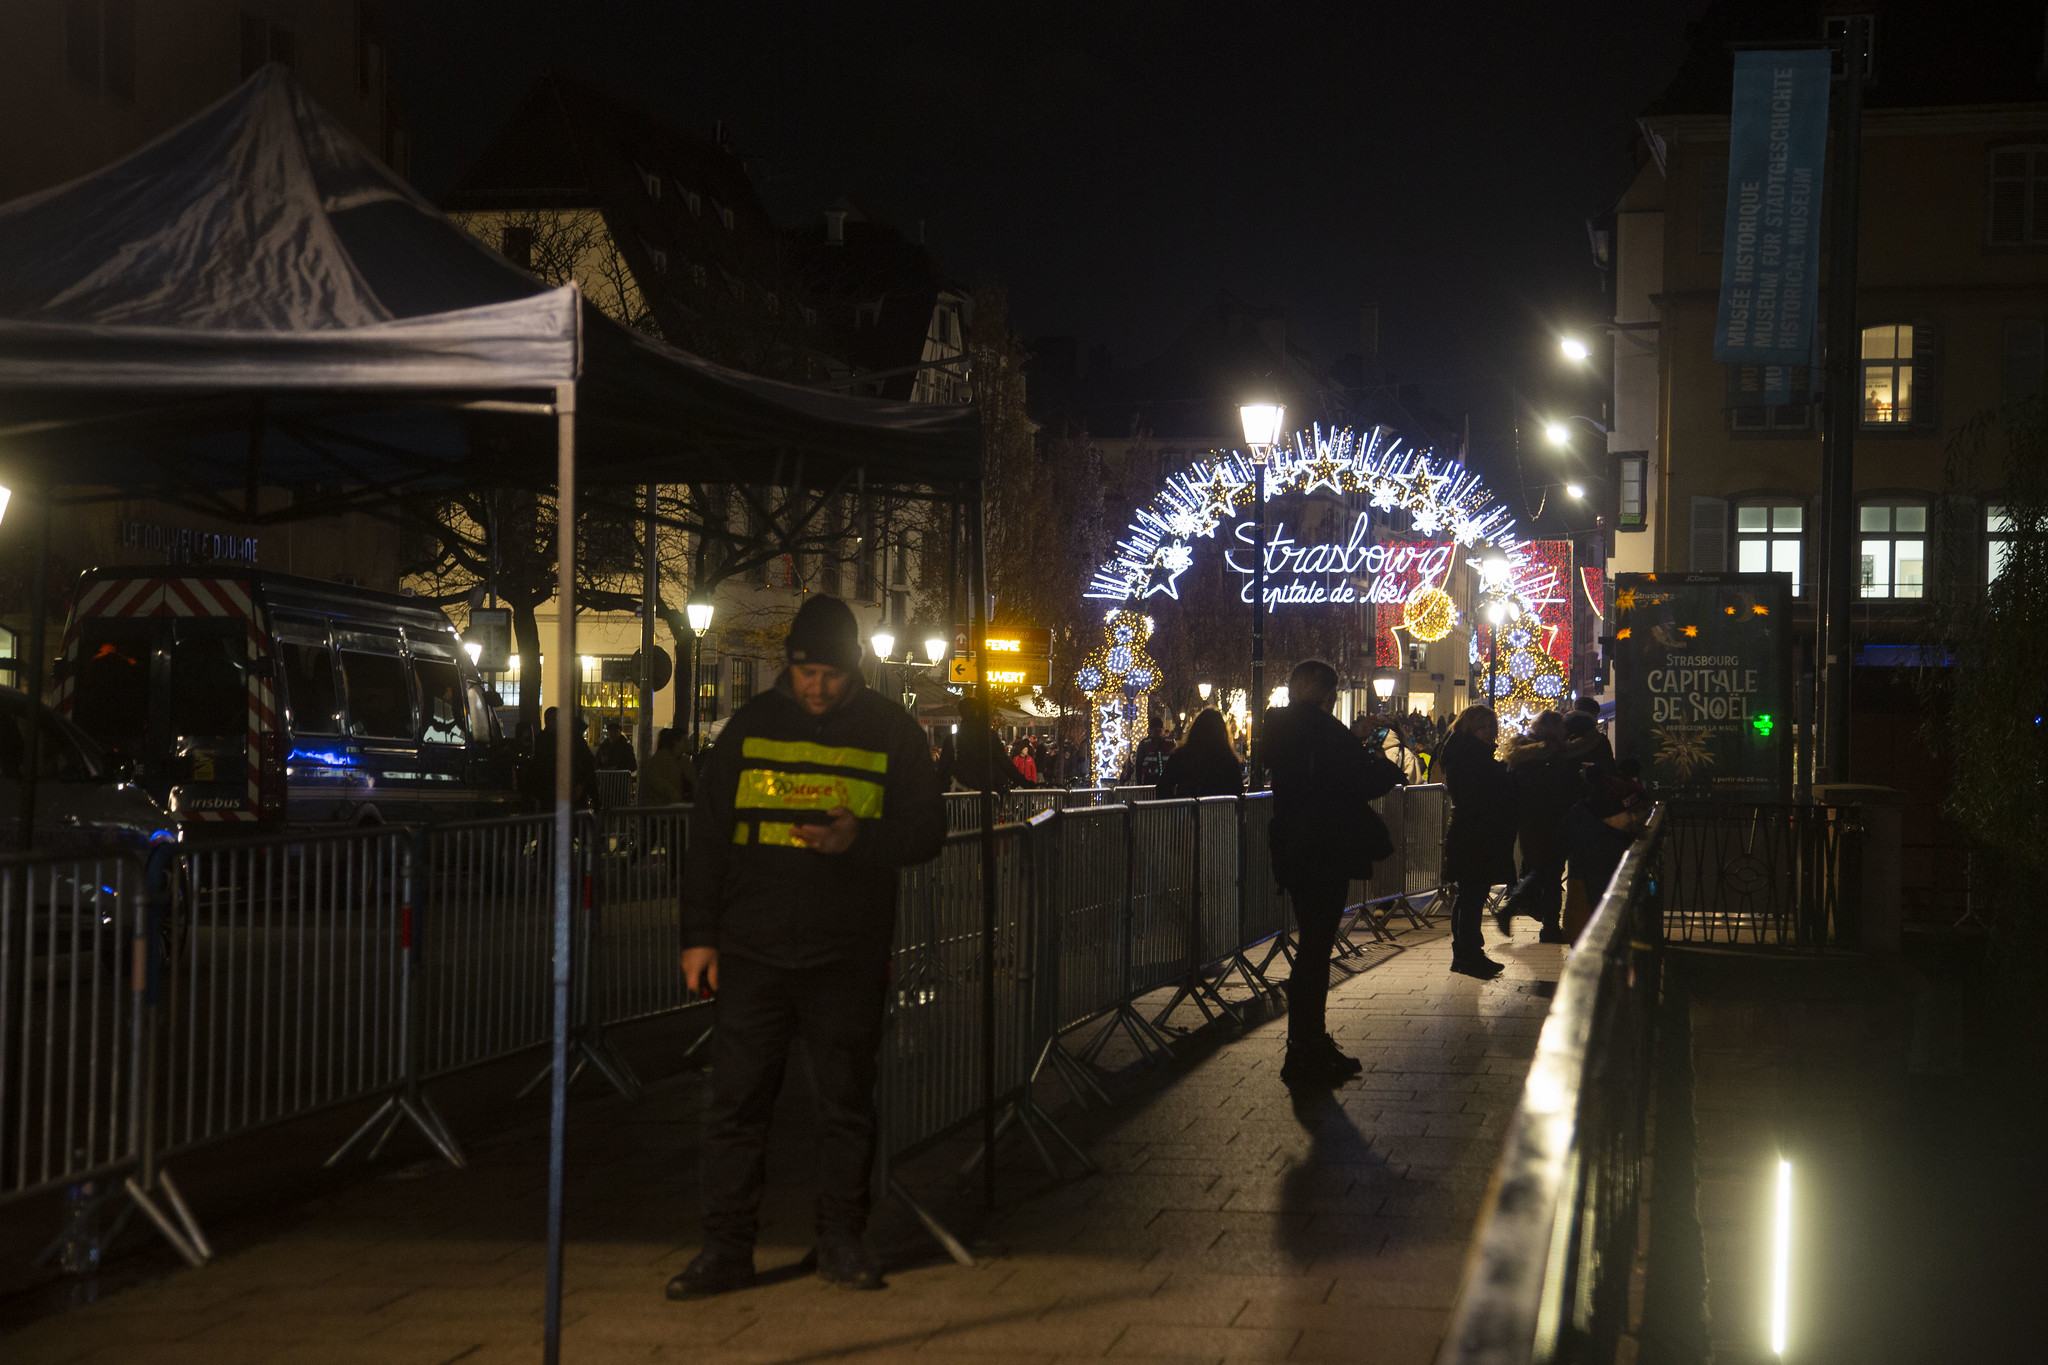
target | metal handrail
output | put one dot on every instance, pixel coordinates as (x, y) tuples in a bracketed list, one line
[(1542, 1279)]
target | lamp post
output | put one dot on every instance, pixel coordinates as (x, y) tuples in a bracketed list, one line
[(699, 611), (1383, 688), (1494, 570), (1261, 431), (884, 641)]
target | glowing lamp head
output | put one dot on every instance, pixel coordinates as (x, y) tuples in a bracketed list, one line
[(1494, 569), (934, 648), (1261, 423), (474, 650), (1383, 688), (1574, 349), (1203, 690), (1557, 433), (885, 644), (1497, 613), (1577, 490), (6, 496), (700, 615)]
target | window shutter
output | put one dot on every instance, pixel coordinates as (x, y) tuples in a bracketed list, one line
[(1926, 374), (1709, 535), (2026, 348)]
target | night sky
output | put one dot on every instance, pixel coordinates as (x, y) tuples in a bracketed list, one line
[(1116, 165)]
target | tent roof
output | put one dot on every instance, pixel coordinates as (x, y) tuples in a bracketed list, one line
[(255, 298)]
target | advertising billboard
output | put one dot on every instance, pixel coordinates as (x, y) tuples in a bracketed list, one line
[(1702, 683)]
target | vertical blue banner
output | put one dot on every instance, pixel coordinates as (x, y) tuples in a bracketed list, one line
[(1770, 254)]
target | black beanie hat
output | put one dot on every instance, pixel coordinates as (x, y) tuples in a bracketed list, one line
[(824, 632)]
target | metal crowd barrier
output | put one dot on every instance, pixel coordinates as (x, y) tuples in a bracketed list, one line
[(1769, 873), (238, 984), (73, 936), (1549, 1277)]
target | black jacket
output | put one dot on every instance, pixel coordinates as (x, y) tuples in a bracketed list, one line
[(1547, 784), (1323, 780), (1593, 849), (1190, 772), (1479, 847), (748, 888)]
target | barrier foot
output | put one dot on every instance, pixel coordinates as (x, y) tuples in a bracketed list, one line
[(185, 1236), (389, 1117), (1254, 977), (383, 1111), (434, 1128), (1033, 1117), (591, 1049), (938, 1230), (981, 1149), (1070, 1072)]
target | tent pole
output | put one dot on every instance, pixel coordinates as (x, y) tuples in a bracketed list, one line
[(650, 598), (990, 749), (566, 698), (29, 671)]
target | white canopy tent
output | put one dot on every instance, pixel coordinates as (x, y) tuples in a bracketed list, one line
[(254, 300)]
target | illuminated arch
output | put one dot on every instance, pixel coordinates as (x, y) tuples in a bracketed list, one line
[(1444, 500)]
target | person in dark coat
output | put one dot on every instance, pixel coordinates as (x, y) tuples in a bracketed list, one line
[(1323, 826), (583, 794), (815, 797), (1583, 740), (1206, 765), (1598, 831), (1547, 784), (615, 751), (1479, 847)]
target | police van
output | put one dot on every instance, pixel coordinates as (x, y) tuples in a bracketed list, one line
[(240, 697)]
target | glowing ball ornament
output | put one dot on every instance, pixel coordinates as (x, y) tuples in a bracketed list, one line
[(1429, 614)]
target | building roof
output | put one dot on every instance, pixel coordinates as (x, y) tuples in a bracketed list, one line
[(680, 208), (1925, 53), (875, 291)]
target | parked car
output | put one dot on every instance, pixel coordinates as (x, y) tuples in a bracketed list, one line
[(84, 803), (245, 696)]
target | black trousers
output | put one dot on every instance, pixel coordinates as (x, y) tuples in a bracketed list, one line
[(1318, 906), (836, 1009), (1545, 897), (1468, 911)]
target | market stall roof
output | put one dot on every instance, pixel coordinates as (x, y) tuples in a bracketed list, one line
[(254, 298)]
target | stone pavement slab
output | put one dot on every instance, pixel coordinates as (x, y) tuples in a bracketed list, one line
[(1229, 1221)]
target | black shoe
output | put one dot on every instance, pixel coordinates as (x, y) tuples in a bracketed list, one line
[(713, 1272), (1552, 934), (1504, 920), (847, 1262), (1479, 965), (1318, 1063)]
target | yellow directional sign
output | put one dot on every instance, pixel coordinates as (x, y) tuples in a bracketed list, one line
[(1005, 672)]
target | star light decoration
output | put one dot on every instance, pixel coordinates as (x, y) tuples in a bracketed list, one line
[(1442, 498), (1118, 677)]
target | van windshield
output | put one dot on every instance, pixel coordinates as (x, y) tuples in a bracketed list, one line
[(111, 699), (209, 689)]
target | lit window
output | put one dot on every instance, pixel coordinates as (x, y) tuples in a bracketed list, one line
[(1768, 539), (1887, 375), (1997, 541), (1893, 549), (1633, 509), (2019, 196)]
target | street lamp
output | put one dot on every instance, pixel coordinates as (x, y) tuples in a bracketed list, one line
[(1383, 688), (934, 649), (1203, 689), (699, 610), (1261, 433), (1574, 349), (1577, 490), (884, 642)]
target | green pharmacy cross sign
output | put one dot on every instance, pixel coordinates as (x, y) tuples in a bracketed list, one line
[(1701, 673)]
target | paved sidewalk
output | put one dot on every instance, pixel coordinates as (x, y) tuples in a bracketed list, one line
[(1228, 1223)]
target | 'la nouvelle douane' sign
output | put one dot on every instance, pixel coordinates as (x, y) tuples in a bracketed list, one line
[(1701, 687), (1770, 250)]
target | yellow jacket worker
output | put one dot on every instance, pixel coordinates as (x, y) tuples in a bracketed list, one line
[(817, 792)]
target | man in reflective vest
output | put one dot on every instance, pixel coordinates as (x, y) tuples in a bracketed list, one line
[(817, 792)]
